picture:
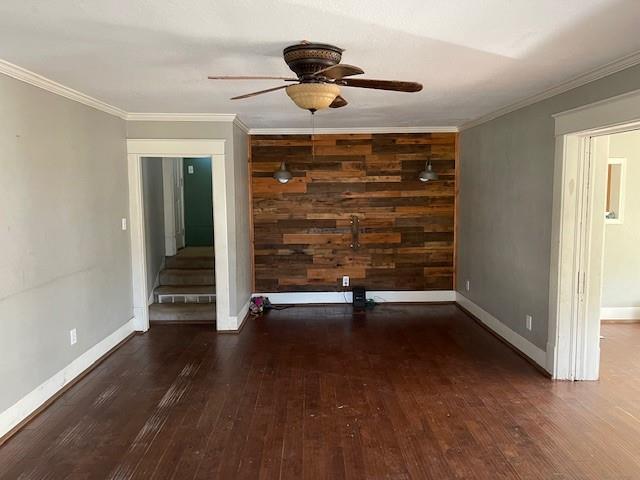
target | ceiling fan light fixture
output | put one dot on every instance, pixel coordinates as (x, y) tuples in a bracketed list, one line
[(428, 174), (313, 96), (282, 175)]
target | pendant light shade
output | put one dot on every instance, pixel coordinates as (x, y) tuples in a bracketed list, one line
[(282, 175), (428, 174)]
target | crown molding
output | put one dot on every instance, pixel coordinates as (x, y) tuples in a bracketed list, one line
[(24, 75), (181, 117), (241, 125), (578, 81), (321, 131)]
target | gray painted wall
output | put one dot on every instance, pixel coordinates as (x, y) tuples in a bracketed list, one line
[(621, 273), (153, 198), (65, 261), (237, 177), (505, 205)]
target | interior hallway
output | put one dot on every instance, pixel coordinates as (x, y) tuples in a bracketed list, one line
[(408, 391)]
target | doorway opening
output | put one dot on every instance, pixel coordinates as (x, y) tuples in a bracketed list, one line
[(177, 199), (217, 274), (588, 190)]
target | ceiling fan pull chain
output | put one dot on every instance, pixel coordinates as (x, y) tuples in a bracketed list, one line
[(313, 143)]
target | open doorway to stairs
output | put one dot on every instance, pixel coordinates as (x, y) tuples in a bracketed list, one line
[(179, 239), (218, 264)]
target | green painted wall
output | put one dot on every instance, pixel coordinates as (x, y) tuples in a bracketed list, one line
[(198, 202)]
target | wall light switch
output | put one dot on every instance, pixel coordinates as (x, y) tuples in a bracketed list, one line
[(345, 281), (124, 224), (467, 285), (73, 338), (529, 322), (190, 169)]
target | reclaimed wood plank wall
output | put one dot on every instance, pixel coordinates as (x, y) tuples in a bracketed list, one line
[(302, 230)]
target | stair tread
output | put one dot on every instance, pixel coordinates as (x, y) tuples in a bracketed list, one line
[(185, 289), (196, 276)]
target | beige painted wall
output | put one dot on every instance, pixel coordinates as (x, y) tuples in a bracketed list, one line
[(505, 206), (621, 273), (65, 260)]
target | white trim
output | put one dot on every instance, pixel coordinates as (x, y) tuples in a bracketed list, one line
[(578, 81), (181, 117), (522, 344), (138, 148), (24, 75), (620, 313), (301, 298), (37, 397), (346, 130)]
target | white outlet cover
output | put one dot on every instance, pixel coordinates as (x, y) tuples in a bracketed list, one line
[(529, 322), (73, 337), (190, 169), (124, 224), (468, 285), (345, 281)]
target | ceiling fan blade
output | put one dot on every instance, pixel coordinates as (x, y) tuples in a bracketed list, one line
[(249, 77), (394, 85), (253, 94), (339, 102), (338, 71)]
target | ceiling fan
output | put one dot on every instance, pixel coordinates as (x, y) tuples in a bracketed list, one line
[(319, 77)]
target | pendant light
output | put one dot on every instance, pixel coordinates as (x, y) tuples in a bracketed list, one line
[(282, 175), (428, 173)]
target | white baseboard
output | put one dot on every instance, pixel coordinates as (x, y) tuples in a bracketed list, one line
[(525, 346), (237, 320), (34, 399), (620, 313), (299, 298)]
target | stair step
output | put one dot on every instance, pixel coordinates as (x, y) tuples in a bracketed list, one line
[(185, 294), (196, 276), (189, 262), (182, 313)]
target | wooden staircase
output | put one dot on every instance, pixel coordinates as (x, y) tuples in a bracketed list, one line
[(186, 293)]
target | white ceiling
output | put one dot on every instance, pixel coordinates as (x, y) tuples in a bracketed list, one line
[(473, 56)]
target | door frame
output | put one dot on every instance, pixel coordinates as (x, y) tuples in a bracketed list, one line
[(178, 148), (577, 245)]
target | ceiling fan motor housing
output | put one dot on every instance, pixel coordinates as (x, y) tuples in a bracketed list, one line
[(304, 59)]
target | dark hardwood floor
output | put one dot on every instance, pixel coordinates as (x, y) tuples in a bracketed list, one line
[(407, 392)]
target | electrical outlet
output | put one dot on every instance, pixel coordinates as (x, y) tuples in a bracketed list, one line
[(124, 224), (73, 338), (529, 322), (345, 281), (467, 285)]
